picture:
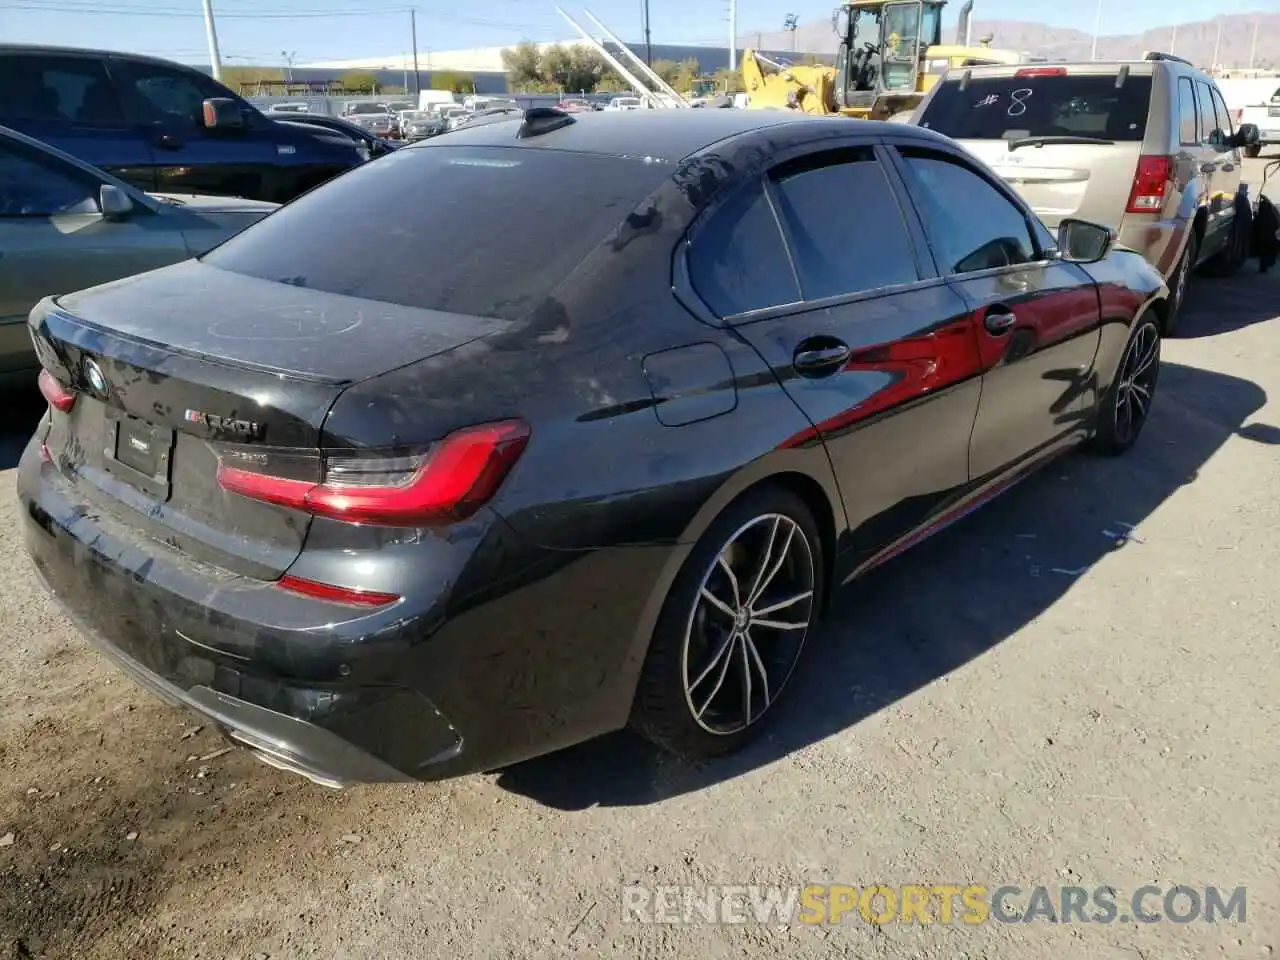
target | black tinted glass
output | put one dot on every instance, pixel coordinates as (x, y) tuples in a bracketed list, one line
[(996, 108), (480, 231), (33, 184), (972, 225), (65, 90), (738, 262), (156, 93), (846, 231)]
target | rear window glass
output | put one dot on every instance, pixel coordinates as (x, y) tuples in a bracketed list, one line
[(999, 108), (485, 231)]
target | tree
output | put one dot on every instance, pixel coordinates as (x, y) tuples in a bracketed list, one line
[(610, 82), (453, 81), (523, 64), (678, 75), (730, 81), (359, 81)]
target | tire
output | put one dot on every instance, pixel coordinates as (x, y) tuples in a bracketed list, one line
[(1181, 278), (1253, 150), (1126, 405), (694, 698)]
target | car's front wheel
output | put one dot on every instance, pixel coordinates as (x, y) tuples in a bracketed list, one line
[(733, 626), (1127, 403)]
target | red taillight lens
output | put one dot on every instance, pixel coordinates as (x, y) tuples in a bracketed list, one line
[(451, 481), (1041, 72), (347, 596), (59, 397), (1150, 184)]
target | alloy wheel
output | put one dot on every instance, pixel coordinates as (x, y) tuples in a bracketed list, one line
[(748, 624), (1136, 382)]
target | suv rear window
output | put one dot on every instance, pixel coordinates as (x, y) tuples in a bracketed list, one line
[(484, 231), (1000, 108)]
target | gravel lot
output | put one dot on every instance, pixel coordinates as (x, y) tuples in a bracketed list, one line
[(971, 714)]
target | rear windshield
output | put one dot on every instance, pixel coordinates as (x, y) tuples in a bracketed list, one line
[(998, 108), (485, 231)]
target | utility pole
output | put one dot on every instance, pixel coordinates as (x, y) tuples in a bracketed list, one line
[(413, 33), (1173, 41), (648, 41), (288, 64), (1097, 29), (1217, 45), (215, 58), (1253, 49), (789, 24), (733, 36)]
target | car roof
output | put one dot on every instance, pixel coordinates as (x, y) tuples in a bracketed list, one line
[(30, 48), (670, 134)]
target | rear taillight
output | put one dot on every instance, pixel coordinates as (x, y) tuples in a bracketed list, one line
[(1150, 184), (347, 596), (59, 397), (449, 482), (1041, 72)]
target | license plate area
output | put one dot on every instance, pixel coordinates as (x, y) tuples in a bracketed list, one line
[(139, 453)]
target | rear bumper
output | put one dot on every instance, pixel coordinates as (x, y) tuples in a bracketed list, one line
[(406, 692)]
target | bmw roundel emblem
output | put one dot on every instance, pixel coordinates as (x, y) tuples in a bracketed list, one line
[(93, 373)]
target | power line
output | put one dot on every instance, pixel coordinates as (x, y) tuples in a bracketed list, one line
[(122, 10)]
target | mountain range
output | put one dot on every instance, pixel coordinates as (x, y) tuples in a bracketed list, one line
[(1194, 41)]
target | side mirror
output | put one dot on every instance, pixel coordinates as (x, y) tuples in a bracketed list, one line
[(1080, 241), (114, 202), (1246, 136), (222, 113)]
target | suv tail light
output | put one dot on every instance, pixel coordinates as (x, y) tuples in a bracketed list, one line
[(451, 481), (1041, 72), (1150, 184)]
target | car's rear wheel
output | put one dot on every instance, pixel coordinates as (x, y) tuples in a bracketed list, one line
[(733, 627), (1179, 281), (1127, 403), (1253, 150)]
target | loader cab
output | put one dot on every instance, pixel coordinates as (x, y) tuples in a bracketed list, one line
[(882, 46)]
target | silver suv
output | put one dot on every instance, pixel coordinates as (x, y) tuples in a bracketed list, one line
[(1146, 147)]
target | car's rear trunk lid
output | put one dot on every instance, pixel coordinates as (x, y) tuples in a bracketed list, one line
[(186, 368)]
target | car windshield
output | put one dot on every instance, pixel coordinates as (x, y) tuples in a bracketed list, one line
[(1037, 105), (471, 230), (359, 108), (416, 115)]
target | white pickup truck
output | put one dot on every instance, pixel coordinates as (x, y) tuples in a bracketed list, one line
[(1266, 117)]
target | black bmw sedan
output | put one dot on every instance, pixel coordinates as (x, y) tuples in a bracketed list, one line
[(558, 424)]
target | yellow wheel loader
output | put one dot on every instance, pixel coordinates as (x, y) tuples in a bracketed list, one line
[(891, 53)]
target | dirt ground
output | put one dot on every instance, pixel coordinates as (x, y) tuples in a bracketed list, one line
[(1028, 698)]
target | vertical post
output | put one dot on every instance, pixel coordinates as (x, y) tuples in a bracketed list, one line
[(733, 35), (1217, 45), (413, 33), (1253, 49), (1097, 28), (648, 40), (211, 34), (1173, 41)]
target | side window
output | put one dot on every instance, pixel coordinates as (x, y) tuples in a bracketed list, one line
[(846, 231), (1224, 115), (972, 225), (61, 89), (738, 261), (156, 93), (1188, 135), (32, 185), (1208, 121)]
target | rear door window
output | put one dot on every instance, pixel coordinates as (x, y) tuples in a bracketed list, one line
[(1034, 105), (844, 225), (485, 231), (74, 91), (972, 226), (1222, 113), (738, 261), (1210, 132)]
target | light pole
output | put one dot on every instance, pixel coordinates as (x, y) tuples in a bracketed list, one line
[(648, 43), (1253, 49), (288, 58), (1097, 29), (211, 35), (789, 24)]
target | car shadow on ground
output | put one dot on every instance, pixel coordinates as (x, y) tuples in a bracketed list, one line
[(944, 603), (1217, 305)]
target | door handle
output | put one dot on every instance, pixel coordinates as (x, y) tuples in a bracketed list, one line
[(999, 321), (820, 360), (168, 141)]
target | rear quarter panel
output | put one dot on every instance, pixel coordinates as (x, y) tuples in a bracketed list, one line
[(1128, 287)]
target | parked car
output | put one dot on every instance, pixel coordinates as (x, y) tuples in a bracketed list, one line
[(421, 124), (159, 125), (65, 225), (1266, 117), (1146, 147), (378, 521), (289, 108), (487, 115), (367, 144), (373, 117), (625, 103)]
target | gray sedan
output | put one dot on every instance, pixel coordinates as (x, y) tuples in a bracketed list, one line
[(66, 225)]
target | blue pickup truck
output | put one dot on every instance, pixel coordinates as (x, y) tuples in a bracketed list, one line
[(161, 126)]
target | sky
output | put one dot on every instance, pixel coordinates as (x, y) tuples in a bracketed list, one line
[(276, 31)]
